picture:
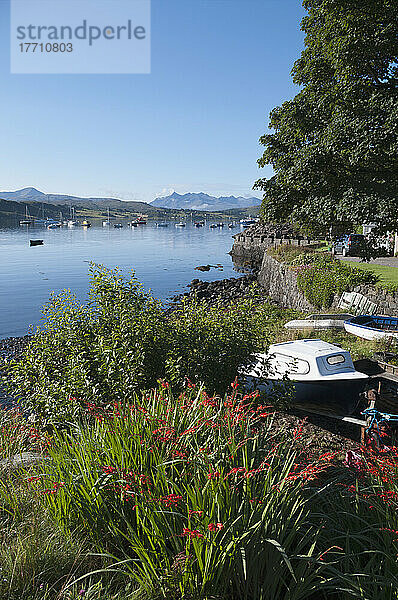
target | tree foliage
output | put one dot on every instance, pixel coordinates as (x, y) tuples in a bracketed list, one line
[(334, 145)]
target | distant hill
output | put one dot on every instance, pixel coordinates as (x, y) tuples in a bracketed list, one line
[(30, 194), (11, 212), (204, 202)]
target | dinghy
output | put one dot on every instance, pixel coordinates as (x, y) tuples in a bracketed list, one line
[(372, 327), (332, 321), (321, 375)]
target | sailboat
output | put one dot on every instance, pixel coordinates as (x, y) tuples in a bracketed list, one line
[(107, 222), (28, 219), (72, 222)]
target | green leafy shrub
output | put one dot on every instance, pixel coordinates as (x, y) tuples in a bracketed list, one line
[(123, 341), (321, 277), (287, 253)]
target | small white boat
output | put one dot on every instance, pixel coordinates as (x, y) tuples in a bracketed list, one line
[(332, 321), (107, 223), (54, 226), (180, 224), (321, 374), (162, 225), (28, 220), (372, 327), (247, 222), (118, 225)]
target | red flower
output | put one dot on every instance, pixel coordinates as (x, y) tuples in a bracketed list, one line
[(108, 469), (215, 526), (191, 533)]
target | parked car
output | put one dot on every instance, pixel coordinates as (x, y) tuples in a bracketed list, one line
[(349, 245)]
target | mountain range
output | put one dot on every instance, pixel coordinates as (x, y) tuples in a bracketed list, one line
[(205, 202), (31, 194), (190, 201)]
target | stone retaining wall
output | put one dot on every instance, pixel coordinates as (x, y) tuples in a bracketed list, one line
[(251, 244), (280, 284)]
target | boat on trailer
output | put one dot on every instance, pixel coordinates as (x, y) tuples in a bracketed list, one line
[(372, 327), (316, 374)]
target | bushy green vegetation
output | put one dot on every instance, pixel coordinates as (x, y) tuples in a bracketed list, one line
[(123, 341), (320, 277)]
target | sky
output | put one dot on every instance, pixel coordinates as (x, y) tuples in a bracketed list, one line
[(218, 67)]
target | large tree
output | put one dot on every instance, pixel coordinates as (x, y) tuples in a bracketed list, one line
[(334, 146)]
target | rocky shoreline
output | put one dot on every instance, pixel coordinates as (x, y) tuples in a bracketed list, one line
[(221, 290), (10, 348)]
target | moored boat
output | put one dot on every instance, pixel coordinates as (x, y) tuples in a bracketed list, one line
[(36, 242), (162, 224), (180, 224), (321, 374), (372, 327), (118, 225), (107, 223)]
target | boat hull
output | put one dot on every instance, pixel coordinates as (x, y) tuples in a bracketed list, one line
[(338, 396), (319, 322), (372, 327)]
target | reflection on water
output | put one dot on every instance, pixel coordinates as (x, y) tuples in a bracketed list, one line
[(163, 259)]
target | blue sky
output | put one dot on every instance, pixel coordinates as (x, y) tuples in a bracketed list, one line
[(218, 68)]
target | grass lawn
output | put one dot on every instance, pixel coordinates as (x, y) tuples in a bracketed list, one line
[(388, 275)]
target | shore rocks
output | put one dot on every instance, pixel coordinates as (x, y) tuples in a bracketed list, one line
[(13, 347), (10, 348), (208, 267), (224, 290)]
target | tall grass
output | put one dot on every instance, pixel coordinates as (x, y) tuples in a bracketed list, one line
[(196, 497)]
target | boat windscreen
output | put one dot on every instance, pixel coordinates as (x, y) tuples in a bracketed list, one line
[(336, 359)]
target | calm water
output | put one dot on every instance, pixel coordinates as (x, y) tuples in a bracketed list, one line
[(163, 259)]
